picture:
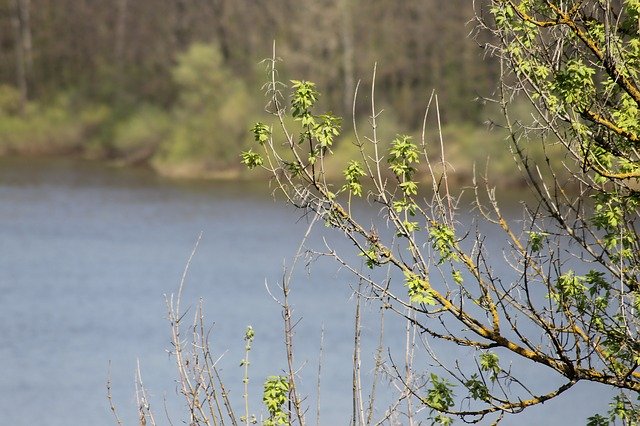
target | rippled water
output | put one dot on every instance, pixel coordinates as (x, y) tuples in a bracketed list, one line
[(87, 254)]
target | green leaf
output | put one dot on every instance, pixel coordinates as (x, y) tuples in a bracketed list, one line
[(409, 188), (402, 155), (443, 240), (326, 130), (535, 240), (490, 362), (261, 133), (371, 257), (352, 174), (303, 98), (597, 420), (251, 159), (440, 396), (419, 289), (477, 388), (276, 389)]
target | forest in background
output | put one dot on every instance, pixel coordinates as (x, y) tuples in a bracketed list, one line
[(175, 84)]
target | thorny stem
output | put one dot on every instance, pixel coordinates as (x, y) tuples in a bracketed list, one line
[(319, 375), (356, 381)]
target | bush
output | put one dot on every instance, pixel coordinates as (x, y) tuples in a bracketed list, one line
[(136, 139), (211, 116), (9, 100), (41, 130), (64, 124)]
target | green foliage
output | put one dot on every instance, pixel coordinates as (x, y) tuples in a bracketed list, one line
[(574, 84), (442, 419), (585, 91), (418, 288), (440, 398), (352, 174), (371, 257), (571, 291), (490, 363), (536, 239), (261, 133), (201, 76), (578, 107), (302, 100), (610, 215), (622, 409), (276, 389), (65, 125), (251, 159), (477, 389), (318, 132), (249, 335), (326, 130), (138, 136), (10, 100), (443, 241), (457, 277), (209, 118), (597, 420), (403, 155)]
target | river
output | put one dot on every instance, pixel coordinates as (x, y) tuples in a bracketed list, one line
[(87, 255)]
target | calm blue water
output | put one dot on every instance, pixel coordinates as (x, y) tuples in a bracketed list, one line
[(87, 254)]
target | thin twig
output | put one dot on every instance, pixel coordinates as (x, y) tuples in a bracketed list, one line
[(109, 396), (319, 376)]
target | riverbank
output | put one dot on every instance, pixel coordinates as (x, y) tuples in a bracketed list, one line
[(204, 141), (468, 150)]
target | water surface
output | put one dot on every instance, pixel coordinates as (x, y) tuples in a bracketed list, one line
[(87, 255)]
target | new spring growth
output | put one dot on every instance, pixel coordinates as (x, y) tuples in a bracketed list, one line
[(274, 396), (249, 334)]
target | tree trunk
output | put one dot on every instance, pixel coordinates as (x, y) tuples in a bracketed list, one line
[(21, 72), (347, 54), (181, 28), (25, 26), (120, 32), (120, 38), (219, 8)]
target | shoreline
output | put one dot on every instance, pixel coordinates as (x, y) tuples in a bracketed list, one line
[(196, 173)]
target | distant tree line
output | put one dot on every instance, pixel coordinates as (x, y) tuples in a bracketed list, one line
[(122, 52)]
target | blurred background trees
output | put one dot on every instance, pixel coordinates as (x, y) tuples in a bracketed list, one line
[(123, 58)]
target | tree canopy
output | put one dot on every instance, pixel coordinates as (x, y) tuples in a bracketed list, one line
[(571, 305), (124, 51)]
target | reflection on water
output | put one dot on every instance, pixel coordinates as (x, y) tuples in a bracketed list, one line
[(87, 254)]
